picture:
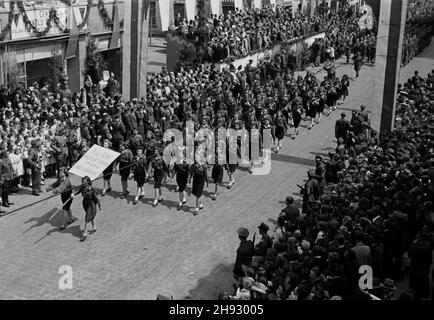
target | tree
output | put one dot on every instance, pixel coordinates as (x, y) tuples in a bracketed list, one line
[(95, 64)]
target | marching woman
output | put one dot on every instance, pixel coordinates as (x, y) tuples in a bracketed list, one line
[(322, 96), (139, 174), (297, 110), (217, 169), (231, 167), (125, 164), (200, 176), (344, 88), (311, 109), (182, 171), (90, 202), (159, 167), (108, 172), (279, 129), (332, 95), (316, 104), (338, 87), (63, 187)]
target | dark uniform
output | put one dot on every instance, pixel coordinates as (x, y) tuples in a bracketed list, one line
[(245, 253), (265, 243), (34, 162), (60, 148), (311, 190)]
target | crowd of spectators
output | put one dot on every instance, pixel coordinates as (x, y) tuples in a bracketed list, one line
[(415, 40), (370, 204), (239, 33)]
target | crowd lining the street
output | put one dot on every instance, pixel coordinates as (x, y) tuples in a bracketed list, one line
[(369, 204)]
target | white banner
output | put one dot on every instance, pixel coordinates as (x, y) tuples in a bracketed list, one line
[(215, 6), (257, 4), (190, 8), (239, 4), (94, 162), (164, 14), (39, 13)]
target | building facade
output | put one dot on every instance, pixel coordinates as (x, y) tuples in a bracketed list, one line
[(37, 38)]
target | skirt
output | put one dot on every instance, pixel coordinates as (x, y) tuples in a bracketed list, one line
[(279, 132), (107, 173), (158, 178), (124, 170), (217, 173), (312, 111), (232, 167), (140, 176), (296, 117), (181, 181), (198, 185), (65, 197), (344, 92), (321, 106), (90, 209)]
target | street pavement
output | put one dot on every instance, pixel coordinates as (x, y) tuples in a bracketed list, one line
[(140, 251)]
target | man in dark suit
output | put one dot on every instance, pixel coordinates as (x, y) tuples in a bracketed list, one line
[(118, 132), (245, 253), (265, 243), (342, 126), (291, 213), (34, 162)]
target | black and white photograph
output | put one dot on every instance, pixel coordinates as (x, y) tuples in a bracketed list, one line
[(232, 151)]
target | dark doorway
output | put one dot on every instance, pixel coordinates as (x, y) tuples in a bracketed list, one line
[(40, 71), (113, 60)]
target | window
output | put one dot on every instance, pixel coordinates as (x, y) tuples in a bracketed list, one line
[(152, 15), (179, 11)]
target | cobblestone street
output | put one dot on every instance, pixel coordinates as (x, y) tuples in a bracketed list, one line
[(140, 251)]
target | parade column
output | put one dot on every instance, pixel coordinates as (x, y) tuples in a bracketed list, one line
[(391, 27), (135, 49)]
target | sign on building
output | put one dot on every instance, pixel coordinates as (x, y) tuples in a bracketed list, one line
[(38, 13)]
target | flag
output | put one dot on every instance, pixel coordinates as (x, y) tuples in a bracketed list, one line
[(135, 49), (215, 7), (164, 13), (190, 9), (391, 27), (114, 41), (74, 34)]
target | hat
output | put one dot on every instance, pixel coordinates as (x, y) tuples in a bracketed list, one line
[(263, 226), (289, 200), (305, 245), (248, 282), (389, 284), (259, 287), (243, 232)]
